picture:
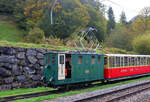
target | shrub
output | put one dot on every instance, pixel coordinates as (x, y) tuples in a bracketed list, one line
[(36, 35), (54, 41), (141, 44)]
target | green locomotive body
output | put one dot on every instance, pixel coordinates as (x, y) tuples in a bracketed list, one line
[(64, 68)]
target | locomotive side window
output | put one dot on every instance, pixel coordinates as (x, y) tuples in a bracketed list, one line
[(49, 59), (80, 60), (93, 59), (61, 59), (45, 60), (99, 59)]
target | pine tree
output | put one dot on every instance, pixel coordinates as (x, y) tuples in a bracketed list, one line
[(123, 18), (111, 21)]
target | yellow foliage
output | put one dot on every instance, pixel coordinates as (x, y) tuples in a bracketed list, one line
[(33, 11)]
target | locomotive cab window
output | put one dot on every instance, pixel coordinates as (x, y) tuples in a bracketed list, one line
[(61, 60), (93, 59), (99, 59), (49, 59), (45, 60), (80, 60)]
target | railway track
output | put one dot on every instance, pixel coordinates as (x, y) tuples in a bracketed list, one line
[(31, 95), (58, 91), (18, 97), (118, 95)]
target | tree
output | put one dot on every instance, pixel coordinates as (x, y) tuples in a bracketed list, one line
[(141, 43), (145, 12), (121, 37), (111, 21), (123, 18), (33, 11), (142, 22)]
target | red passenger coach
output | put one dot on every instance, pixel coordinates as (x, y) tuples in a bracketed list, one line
[(121, 65)]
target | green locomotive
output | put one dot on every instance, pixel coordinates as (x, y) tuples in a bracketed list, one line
[(66, 68)]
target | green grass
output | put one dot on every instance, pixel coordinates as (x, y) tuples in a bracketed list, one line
[(38, 99), (10, 32), (31, 45), (24, 91)]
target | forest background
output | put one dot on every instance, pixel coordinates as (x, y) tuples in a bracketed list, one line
[(71, 18)]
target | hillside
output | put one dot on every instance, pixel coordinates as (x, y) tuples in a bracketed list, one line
[(9, 30)]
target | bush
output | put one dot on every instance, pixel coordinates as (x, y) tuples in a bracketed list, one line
[(141, 44), (120, 38), (36, 35), (54, 41)]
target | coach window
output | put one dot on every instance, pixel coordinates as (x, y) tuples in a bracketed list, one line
[(125, 61), (129, 61), (145, 61), (110, 62), (80, 60), (105, 60), (148, 60), (138, 61), (117, 61), (113, 61), (132, 61), (93, 59), (142, 61), (121, 61), (99, 59)]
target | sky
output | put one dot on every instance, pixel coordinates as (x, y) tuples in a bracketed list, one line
[(130, 7)]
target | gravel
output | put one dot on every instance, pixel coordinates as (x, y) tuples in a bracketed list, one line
[(143, 96), (98, 92)]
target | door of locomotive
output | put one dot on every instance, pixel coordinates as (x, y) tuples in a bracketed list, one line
[(61, 66)]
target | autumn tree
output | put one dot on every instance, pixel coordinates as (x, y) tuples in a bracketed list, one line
[(33, 12), (141, 23)]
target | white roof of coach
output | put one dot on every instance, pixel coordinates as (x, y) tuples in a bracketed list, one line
[(127, 55)]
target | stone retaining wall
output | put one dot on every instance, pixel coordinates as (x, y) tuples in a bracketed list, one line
[(20, 67)]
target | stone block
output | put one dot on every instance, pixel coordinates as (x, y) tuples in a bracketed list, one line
[(21, 55), (21, 78), (31, 52), (32, 59), (9, 80), (4, 72)]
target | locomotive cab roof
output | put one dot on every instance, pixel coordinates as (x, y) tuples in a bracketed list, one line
[(73, 52)]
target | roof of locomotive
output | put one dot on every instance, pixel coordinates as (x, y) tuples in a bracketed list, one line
[(74, 52), (127, 55)]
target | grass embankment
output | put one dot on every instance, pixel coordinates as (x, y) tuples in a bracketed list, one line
[(59, 48), (9, 31), (24, 91), (37, 99)]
